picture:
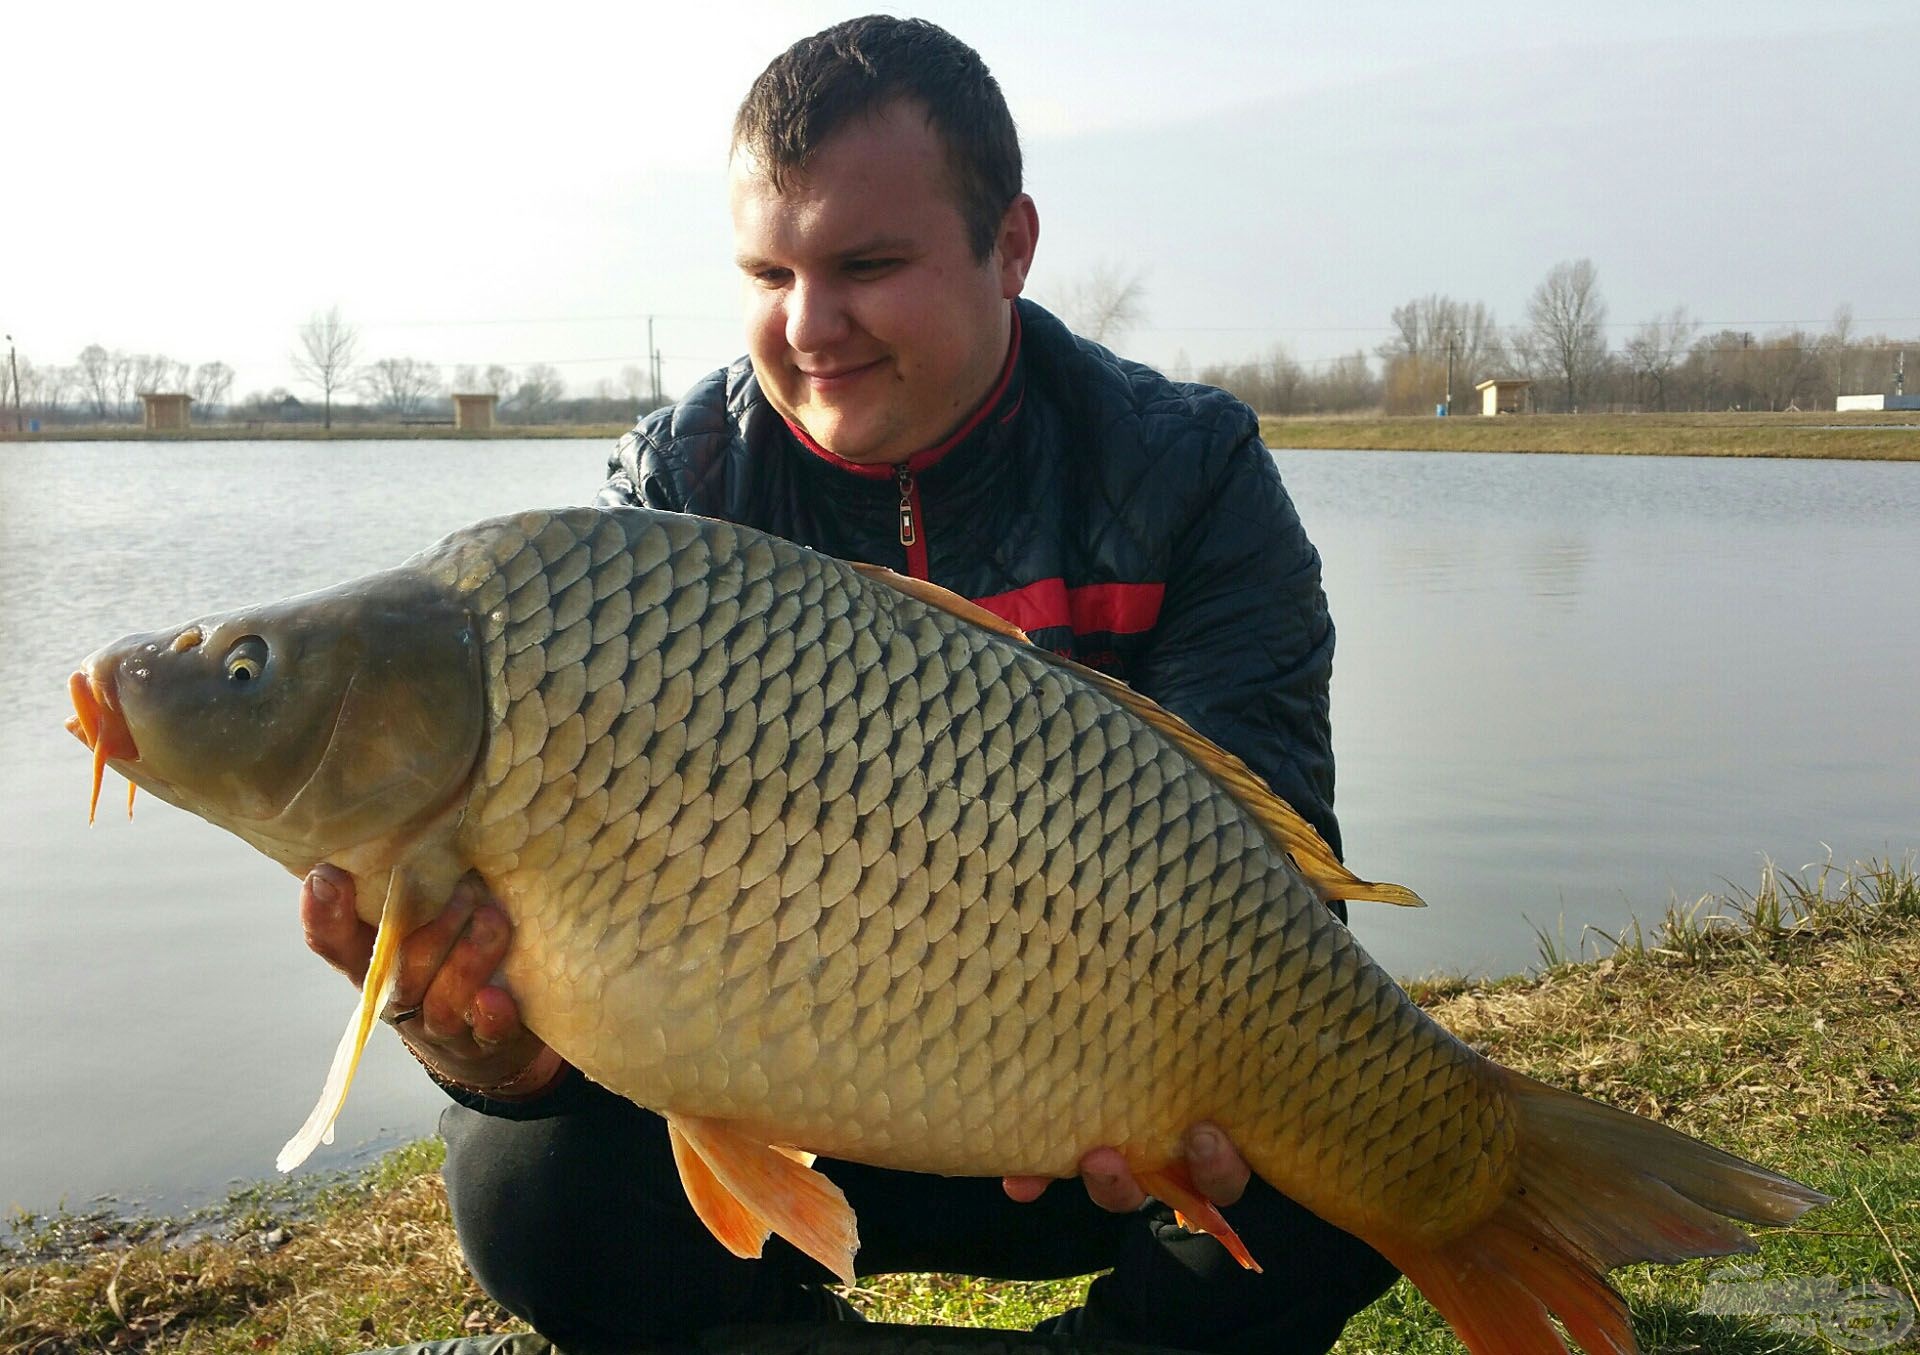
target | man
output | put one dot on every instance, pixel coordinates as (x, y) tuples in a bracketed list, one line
[(900, 405)]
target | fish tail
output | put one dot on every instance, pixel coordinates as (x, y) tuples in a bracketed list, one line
[(1594, 1188)]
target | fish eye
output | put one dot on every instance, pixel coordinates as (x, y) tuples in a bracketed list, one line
[(246, 660)]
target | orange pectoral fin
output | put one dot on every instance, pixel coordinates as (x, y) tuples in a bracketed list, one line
[(1172, 1185), (743, 1190)]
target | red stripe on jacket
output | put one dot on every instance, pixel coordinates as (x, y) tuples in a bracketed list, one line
[(1091, 609)]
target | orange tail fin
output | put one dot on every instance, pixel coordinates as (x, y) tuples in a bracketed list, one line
[(1596, 1188)]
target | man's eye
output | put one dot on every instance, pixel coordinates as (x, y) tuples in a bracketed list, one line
[(870, 267), (773, 277)]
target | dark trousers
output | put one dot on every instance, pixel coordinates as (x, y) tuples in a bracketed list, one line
[(574, 1219)]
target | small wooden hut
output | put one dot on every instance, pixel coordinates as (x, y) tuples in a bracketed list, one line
[(166, 412)]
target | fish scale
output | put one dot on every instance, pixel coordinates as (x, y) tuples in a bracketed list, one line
[(799, 854)]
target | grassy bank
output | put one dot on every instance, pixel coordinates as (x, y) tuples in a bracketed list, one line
[(1779, 1024), (1891, 436)]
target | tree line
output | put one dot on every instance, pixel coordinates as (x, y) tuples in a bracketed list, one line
[(1438, 344), (1668, 362), (104, 386)]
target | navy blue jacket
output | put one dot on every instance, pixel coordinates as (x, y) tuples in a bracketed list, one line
[(1134, 523)]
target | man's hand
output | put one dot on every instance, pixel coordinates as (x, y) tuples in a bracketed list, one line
[(1218, 1171), (468, 1031)]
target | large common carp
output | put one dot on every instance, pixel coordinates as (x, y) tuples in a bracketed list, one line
[(814, 859)]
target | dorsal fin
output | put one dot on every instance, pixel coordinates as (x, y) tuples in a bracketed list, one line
[(947, 601), (1293, 834)]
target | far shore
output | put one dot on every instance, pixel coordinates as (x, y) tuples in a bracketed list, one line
[(311, 432), (1820, 435)]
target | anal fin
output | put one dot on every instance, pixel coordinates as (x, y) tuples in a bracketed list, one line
[(1172, 1185), (743, 1190), (739, 1229)]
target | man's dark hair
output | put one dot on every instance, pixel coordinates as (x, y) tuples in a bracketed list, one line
[(854, 70)]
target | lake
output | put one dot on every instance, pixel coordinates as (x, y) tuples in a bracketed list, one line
[(1568, 690)]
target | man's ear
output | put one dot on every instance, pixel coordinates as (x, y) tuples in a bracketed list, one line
[(1013, 247)]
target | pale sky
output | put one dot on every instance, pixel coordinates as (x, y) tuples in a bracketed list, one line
[(516, 184)]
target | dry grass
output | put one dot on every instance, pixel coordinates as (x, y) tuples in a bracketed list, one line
[(1892, 436), (376, 1264)]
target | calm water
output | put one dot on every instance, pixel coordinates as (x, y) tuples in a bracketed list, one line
[(1567, 688)]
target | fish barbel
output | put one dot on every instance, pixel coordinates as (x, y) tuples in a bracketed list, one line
[(814, 859)]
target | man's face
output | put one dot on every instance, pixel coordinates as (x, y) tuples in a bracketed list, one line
[(869, 320)]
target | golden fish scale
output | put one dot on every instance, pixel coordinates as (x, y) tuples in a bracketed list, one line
[(789, 849)]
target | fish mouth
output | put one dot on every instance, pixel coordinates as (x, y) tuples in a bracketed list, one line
[(97, 722)]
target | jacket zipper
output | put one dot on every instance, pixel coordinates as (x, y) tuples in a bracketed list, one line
[(910, 516)]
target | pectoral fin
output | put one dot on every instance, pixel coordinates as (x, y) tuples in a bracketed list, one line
[(382, 972), (744, 1190)]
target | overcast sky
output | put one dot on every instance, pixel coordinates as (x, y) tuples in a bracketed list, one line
[(527, 183)]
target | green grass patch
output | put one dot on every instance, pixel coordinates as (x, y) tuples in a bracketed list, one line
[(1778, 1023)]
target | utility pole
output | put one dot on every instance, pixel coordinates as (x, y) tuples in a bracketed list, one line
[(653, 363), (1899, 380), (1452, 336), (14, 369)]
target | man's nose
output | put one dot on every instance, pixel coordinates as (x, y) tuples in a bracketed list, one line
[(816, 317)]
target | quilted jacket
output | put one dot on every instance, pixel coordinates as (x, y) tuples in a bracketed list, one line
[(1133, 523)]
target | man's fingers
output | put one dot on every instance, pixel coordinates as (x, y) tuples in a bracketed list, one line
[(468, 966), (1024, 1189), (334, 931), (494, 1016), (426, 949), (1110, 1183), (1217, 1169)]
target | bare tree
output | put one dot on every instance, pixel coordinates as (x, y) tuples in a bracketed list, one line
[(401, 386), (151, 372), (540, 386), (325, 355), (120, 378), (1656, 348), (1566, 313), (1436, 337), (210, 384), (1347, 383), (1782, 369), (498, 380), (1104, 304), (1424, 326), (1271, 384), (95, 368)]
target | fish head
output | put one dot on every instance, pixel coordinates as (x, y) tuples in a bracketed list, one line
[(308, 726)]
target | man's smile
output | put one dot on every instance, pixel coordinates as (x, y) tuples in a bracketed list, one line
[(830, 378)]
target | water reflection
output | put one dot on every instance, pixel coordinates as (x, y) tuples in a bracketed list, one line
[(1553, 565)]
